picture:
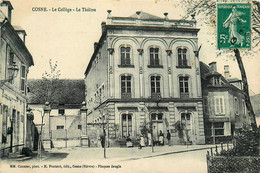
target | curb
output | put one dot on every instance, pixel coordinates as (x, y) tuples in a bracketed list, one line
[(168, 153)]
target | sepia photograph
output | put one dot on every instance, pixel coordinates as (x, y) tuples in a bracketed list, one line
[(129, 86)]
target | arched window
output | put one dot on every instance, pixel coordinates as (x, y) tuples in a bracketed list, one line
[(155, 86), (184, 86), (154, 56), (126, 88), (182, 57), (125, 55)]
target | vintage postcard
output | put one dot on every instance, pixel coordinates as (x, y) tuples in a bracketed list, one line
[(129, 86)]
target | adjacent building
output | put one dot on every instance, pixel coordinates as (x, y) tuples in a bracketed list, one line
[(15, 60), (223, 102), (145, 72), (60, 119)]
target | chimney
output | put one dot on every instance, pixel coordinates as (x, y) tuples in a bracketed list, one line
[(166, 16), (226, 71), (6, 8), (21, 32), (212, 67), (109, 13), (95, 45), (138, 14)]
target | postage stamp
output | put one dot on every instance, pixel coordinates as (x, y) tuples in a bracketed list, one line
[(233, 25)]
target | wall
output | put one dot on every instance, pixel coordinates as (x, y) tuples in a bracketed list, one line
[(97, 79)]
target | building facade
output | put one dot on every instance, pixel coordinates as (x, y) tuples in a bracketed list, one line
[(223, 102), (61, 124), (60, 120), (145, 72), (15, 60)]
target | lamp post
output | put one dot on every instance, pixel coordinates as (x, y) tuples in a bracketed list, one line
[(12, 73)]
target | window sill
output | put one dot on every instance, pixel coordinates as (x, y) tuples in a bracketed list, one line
[(126, 66), (155, 66), (183, 66), (220, 114)]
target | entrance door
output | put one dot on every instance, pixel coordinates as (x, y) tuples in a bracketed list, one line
[(157, 125), (186, 120)]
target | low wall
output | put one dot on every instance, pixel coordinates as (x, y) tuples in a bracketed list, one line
[(62, 143), (235, 164)]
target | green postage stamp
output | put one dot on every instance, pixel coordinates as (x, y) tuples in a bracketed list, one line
[(233, 25)]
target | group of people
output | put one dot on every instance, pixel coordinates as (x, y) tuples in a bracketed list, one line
[(142, 143), (161, 138)]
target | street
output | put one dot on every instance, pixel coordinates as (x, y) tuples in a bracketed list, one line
[(165, 159)]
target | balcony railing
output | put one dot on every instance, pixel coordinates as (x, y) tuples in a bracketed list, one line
[(156, 95), (125, 95), (184, 95)]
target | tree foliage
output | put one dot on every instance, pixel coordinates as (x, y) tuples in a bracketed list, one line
[(246, 142), (54, 90)]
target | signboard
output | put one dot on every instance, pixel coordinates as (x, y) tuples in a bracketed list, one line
[(233, 25), (218, 119)]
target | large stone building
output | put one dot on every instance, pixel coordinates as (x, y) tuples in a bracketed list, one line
[(224, 104), (145, 70), (15, 60)]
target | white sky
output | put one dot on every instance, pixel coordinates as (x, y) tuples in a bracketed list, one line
[(68, 37)]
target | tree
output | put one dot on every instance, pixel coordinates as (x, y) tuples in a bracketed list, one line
[(206, 10), (47, 89)]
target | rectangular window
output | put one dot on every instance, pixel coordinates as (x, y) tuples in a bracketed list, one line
[(208, 128), (23, 76), (126, 86), (60, 127), (182, 57), (155, 86), (157, 117), (79, 127), (236, 106), (18, 126), (205, 105), (11, 58), (243, 107), (184, 86), (126, 125), (219, 105), (61, 111), (125, 56), (4, 124), (154, 57), (219, 128)]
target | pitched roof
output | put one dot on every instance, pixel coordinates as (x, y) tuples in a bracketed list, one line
[(144, 15), (65, 91)]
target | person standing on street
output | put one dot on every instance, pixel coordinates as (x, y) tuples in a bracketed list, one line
[(168, 136), (161, 140)]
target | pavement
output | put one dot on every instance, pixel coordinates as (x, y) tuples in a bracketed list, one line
[(112, 154), (120, 154)]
